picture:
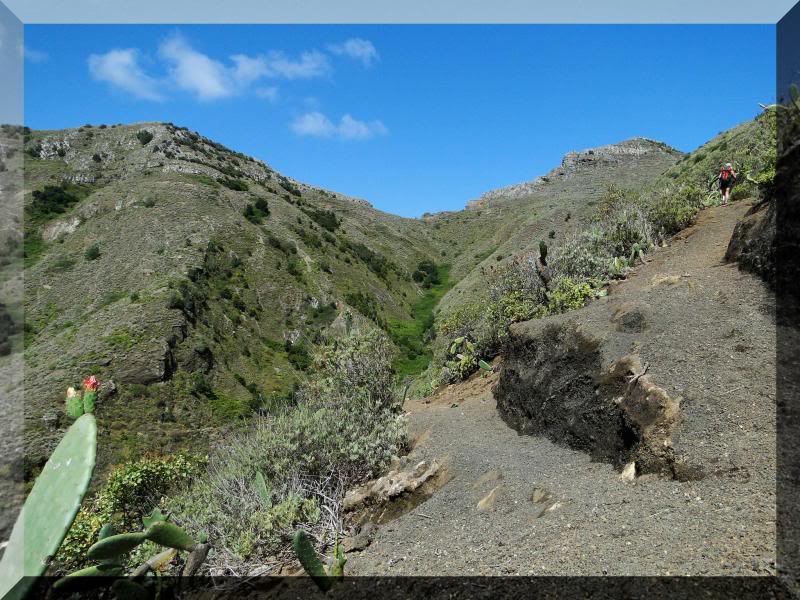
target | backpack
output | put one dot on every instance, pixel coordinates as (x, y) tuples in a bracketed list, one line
[(725, 174)]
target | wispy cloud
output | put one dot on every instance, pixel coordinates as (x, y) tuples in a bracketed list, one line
[(185, 68), (204, 77), (121, 69), (35, 56), (357, 49), (309, 65), (195, 72), (316, 124), (211, 79)]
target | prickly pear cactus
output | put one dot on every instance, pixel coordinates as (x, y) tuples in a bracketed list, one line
[(169, 535), (336, 569), (114, 545), (311, 563), (263, 490), (49, 509)]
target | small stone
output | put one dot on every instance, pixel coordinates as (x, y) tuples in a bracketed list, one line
[(629, 472), (488, 501), (361, 540), (539, 495), (51, 420)]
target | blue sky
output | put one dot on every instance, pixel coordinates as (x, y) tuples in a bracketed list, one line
[(411, 118)]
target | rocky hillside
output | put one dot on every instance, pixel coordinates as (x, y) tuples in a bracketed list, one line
[(514, 219), (193, 280), (192, 277)]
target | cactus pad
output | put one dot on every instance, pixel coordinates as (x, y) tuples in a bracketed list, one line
[(50, 508), (170, 535), (311, 563), (115, 545)]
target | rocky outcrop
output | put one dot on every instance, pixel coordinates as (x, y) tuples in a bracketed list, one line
[(403, 488), (575, 163), (752, 244), (578, 384)]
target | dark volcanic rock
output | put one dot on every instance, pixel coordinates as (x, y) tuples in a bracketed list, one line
[(576, 383), (752, 244)]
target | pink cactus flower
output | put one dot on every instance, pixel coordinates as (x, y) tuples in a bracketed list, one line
[(90, 383)]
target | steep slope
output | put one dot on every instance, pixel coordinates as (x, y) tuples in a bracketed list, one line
[(551, 207), (192, 277)]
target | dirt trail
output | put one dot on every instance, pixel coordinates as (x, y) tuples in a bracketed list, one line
[(553, 511)]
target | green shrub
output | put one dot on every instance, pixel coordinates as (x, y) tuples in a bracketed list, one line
[(568, 295), (298, 355), (53, 200), (741, 191), (237, 185), (375, 261), (257, 212), (625, 227), (672, 210), (426, 274), (365, 303), (144, 137), (295, 268), (92, 252), (131, 491), (345, 426), (612, 200), (324, 218)]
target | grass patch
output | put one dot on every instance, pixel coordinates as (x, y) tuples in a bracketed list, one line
[(204, 180), (412, 336), (123, 340), (33, 248)]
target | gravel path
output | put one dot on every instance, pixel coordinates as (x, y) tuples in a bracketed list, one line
[(553, 511)]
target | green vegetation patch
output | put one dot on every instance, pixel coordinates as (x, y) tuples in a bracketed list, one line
[(257, 211), (413, 336), (53, 201), (324, 218)]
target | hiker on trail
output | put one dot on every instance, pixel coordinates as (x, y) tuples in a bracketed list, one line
[(726, 179)]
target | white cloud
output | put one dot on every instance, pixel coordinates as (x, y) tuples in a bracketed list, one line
[(195, 72), (310, 64), (248, 69), (35, 56), (357, 49), (210, 79), (316, 124), (121, 69)]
